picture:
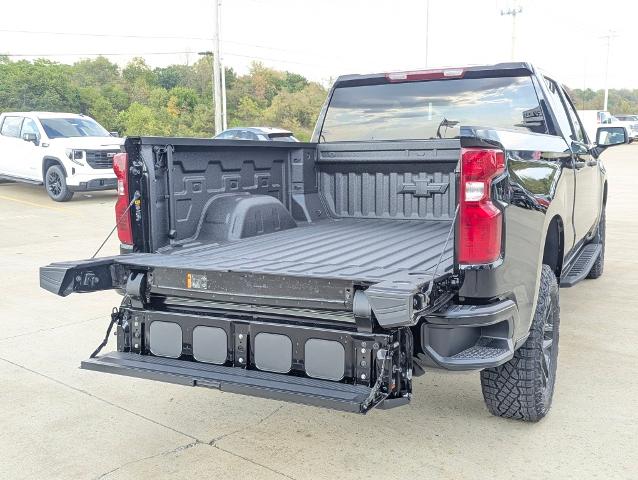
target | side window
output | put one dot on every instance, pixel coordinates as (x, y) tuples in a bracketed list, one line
[(579, 133), (246, 135), (11, 127), (29, 126), (558, 107)]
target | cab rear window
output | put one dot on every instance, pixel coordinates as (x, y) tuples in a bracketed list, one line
[(432, 109)]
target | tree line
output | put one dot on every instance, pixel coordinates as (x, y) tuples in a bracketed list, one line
[(620, 101), (177, 100), (172, 101)]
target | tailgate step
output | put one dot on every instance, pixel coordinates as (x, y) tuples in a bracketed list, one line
[(581, 266), (339, 396)]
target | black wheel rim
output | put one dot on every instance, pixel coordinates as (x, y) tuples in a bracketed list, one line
[(548, 348), (54, 183)]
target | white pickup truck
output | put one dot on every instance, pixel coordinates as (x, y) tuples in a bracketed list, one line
[(64, 151), (592, 119)]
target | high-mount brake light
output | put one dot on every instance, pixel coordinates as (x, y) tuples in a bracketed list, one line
[(480, 221), (120, 167), (417, 75)]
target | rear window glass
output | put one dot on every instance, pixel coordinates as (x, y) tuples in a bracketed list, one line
[(283, 138), (11, 126), (432, 109)]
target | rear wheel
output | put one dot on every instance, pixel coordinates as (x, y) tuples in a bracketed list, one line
[(523, 387), (599, 265), (55, 183)]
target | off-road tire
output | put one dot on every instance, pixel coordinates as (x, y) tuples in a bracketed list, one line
[(599, 265), (523, 387), (55, 184)]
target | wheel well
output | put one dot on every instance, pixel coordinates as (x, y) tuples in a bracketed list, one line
[(605, 195), (554, 246), (48, 161)]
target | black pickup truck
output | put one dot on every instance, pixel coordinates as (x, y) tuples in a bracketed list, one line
[(429, 223)]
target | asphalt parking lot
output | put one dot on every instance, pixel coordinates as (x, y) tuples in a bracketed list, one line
[(57, 421)]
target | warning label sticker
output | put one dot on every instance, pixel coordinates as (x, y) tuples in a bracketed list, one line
[(196, 280)]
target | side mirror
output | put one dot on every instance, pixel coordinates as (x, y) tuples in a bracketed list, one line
[(610, 136), (30, 137), (114, 134)]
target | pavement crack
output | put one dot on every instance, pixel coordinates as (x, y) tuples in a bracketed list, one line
[(79, 390), (213, 442), (178, 449), (246, 459)]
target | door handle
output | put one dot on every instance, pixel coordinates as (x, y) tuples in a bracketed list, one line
[(578, 165), (592, 163)]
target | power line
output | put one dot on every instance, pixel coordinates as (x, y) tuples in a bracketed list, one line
[(140, 54), (44, 55), (276, 60), (105, 35), (147, 37)]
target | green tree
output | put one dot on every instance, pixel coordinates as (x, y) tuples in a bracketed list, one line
[(172, 100), (98, 72), (297, 111), (173, 76), (141, 119), (40, 85)]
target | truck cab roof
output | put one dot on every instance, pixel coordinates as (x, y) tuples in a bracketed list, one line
[(470, 71)]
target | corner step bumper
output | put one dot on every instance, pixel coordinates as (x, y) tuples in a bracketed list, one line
[(581, 266), (471, 337), (339, 396)]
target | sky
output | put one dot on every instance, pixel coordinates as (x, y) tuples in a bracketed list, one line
[(323, 39)]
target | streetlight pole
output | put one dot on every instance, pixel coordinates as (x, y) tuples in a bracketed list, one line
[(513, 12), (223, 70), (217, 82), (608, 36), (427, 30)]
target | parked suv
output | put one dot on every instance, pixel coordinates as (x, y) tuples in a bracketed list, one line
[(264, 134), (64, 151)]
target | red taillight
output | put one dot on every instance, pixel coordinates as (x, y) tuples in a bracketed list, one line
[(120, 167), (480, 222)]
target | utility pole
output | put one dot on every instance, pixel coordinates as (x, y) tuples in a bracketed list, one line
[(427, 30), (513, 12), (223, 71), (608, 36), (217, 80)]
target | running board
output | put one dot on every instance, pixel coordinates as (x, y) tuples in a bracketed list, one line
[(321, 393), (581, 266), (13, 178)]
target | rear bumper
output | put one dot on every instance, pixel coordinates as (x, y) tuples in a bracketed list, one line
[(470, 337)]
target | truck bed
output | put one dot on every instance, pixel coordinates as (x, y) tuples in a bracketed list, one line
[(362, 250)]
